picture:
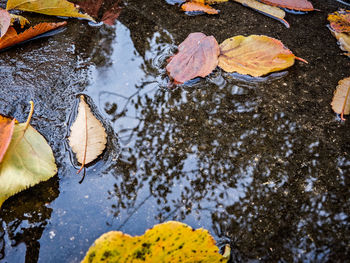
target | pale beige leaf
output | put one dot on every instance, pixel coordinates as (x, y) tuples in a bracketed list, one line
[(341, 100), (88, 137)]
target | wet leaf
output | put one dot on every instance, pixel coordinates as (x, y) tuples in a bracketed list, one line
[(343, 41), (28, 161), (268, 10), (6, 131), (340, 21), (48, 7), (5, 21), (254, 55), (12, 38), (168, 242), (197, 57), (19, 19), (341, 100), (300, 5), (88, 137), (199, 7)]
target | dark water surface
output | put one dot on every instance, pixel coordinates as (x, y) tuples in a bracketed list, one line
[(263, 165)]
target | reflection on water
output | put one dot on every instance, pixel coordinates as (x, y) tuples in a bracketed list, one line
[(244, 158)]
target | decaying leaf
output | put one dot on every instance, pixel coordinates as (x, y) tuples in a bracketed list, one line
[(5, 21), (340, 21), (254, 55), (199, 7), (341, 100), (268, 10), (168, 242), (88, 137), (48, 7), (6, 131), (197, 57), (300, 5), (20, 19), (28, 161), (12, 38)]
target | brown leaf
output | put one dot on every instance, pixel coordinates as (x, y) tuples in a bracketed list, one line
[(6, 131), (254, 55), (197, 57), (109, 9), (12, 38), (199, 7), (5, 21), (341, 100), (300, 5)]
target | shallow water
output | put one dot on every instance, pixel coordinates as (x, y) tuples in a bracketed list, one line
[(261, 163)]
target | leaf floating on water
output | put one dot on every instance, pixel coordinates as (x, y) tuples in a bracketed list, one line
[(28, 161), (168, 242), (341, 99), (88, 137), (254, 55), (5, 21), (300, 5), (268, 10), (48, 7), (12, 38), (6, 131), (197, 57), (199, 7)]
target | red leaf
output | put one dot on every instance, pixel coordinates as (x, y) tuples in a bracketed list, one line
[(197, 57), (12, 38), (6, 131), (199, 7), (301, 5), (109, 9), (5, 21)]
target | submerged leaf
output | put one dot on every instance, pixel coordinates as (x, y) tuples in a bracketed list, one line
[(254, 55), (199, 7), (12, 38), (6, 131), (5, 21), (197, 57), (28, 161), (48, 7), (300, 5), (168, 242), (341, 100), (88, 137)]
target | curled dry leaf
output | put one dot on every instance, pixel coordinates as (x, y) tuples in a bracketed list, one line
[(5, 21), (340, 21), (197, 57), (48, 7), (6, 131), (199, 7), (300, 5), (341, 100), (268, 10), (12, 38), (168, 242), (254, 55), (88, 137), (28, 160)]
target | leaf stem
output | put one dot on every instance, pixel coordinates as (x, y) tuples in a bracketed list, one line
[(30, 115)]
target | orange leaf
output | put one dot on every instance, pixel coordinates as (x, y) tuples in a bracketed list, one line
[(340, 21), (199, 7), (254, 55), (197, 57), (5, 21), (6, 131), (301, 5), (12, 38)]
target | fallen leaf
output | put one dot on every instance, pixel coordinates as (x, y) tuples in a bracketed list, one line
[(88, 137), (340, 21), (199, 7), (268, 10), (300, 5), (209, 2), (254, 55), (48, 7), (5, 21), (6, 131), (343, 41), (28, 161), (12, 38), (197, 57), (20, 19), (341, 99), (168, 242)]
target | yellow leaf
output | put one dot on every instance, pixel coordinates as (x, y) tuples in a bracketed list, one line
[(164, 243), (48, 7), (88, 137), (22, 20), (254, 55), (341, 100)]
